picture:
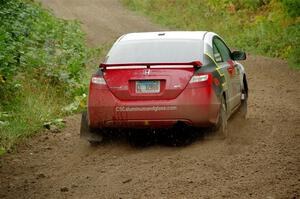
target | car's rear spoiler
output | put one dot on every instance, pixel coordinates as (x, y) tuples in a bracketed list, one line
[(195, 64)]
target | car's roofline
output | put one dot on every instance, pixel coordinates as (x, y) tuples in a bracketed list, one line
[(194, 35), (203, 37)]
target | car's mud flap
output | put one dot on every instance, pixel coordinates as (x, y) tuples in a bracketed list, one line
[(91, 135)]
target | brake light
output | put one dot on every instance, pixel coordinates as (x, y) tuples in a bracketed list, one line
[(98, 80), (201, 80)]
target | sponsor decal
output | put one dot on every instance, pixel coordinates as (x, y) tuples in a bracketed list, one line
[(224, 85), (145, 108)]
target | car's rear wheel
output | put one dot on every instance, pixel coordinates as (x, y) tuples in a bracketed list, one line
[(221, 126), (244, 104), (93, 136)]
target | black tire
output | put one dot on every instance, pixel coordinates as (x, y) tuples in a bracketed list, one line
[(244, 108), (244, 99), (93, 136), (222, 126), (244, 104)]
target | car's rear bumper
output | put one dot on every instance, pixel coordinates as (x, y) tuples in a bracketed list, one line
[(194, 106)]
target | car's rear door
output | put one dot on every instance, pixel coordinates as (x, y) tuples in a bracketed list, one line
[(223, 58)]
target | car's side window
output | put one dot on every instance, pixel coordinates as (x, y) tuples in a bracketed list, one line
[(217, 54), (223, 49)]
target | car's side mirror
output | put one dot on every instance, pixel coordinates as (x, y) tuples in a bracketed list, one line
[(238, 55)]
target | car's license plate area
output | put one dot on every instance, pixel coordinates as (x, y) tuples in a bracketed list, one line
[(147, 86)]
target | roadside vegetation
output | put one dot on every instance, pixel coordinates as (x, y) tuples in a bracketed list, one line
[(265, 27), (43, 65)]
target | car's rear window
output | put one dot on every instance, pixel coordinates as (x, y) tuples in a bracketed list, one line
[(156, 51)]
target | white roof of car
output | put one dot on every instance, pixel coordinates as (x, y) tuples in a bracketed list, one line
[(197, 35)]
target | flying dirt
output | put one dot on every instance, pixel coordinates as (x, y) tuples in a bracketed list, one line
[(259, 158)]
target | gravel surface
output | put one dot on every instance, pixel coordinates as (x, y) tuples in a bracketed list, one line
[(259, 159)]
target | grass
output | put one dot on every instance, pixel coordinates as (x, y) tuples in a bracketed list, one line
[(37, 103), (34, 106), (45, 67), (256, 26)]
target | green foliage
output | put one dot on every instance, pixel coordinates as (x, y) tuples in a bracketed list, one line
[(292, 7), (267, 27), (31, 39), (43, 64), (78, 103), (27, 113), (2, 151), (222, 5)]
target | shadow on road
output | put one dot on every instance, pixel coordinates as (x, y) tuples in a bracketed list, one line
[(178, 136)]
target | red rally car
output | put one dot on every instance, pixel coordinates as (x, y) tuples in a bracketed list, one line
[(158, 79)]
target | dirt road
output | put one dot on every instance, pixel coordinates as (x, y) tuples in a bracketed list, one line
[(103, 20), (259, 159)]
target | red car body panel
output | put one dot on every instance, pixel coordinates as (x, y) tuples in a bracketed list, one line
[(116, 104)]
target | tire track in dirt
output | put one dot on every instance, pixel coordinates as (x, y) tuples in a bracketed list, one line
[(259, 159)]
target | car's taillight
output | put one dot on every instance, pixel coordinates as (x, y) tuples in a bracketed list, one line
[(201, 80), (98, 80)]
